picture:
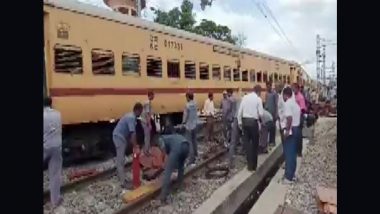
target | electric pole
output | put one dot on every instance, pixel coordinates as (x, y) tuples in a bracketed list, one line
[(318, 55)]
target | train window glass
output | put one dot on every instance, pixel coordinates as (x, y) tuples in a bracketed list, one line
[(154, 66), (203, 71), (284, 78), (227, 73), (173, 68), (68, 59), (123, 10), (288, 79), (236, 75), (259, 76), (133, 12), (265, 77), (103, 62), (131, 64), (276, 77), (190, 70), (216, 74), (271, 77), (244, 75), (252, 75)]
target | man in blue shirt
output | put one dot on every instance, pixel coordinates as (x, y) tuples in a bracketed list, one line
[(176, 147), (124, 135)]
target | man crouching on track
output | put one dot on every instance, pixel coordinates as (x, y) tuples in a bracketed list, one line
[(176, 147), (124, 135)]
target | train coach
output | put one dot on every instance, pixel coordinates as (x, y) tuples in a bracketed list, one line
[(99, 63)]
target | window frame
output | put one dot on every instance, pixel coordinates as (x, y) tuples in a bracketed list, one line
[(123, 72), (173, 61), (247, 75), (208, 70), (194, 75), (93, 50), (224, 73), (219, 72), (69, 47), (152, 57)]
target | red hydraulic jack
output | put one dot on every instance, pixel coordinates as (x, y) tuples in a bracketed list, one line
[(136, 168)]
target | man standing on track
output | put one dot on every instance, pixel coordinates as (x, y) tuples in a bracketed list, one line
[(124, 135), (53, 150), (176, 147), (292, 115), (271, 105), (190, 119), (146, 120), (300, 99), (209, 111), (235, 133), (250, 110), (226, 109)]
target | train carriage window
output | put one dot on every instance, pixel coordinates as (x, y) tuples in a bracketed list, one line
[(252, 73), (288, 79), (204, 71), (275, 77), (68, 59), (154, 66), (244, 75), (173, 68), (265, 76), (131, 64), (259, 76), (190, 72), (236, 75), (133, 12), (284, 78), (271, 77), (103, 62), (227, 73), (216, 73)]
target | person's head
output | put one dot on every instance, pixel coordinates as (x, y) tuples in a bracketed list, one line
[(257, 89), (47, 102), (224, 94), (230, 92), (150, 95), (210, 95), (137, 109), (295, 88), (269, 86), (189, 96), (287, 93)]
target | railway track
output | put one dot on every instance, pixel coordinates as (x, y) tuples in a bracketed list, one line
[(108, 174)]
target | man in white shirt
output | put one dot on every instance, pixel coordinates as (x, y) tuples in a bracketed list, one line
[(52, 146), (209, 111), (292, 114), (250, 110)]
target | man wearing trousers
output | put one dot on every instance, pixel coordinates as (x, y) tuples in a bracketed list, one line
[(292, 115), (250, 110), (124, 134), (300, 99), (266, 125), (209, 111), (271, 105), (235, 136), (53, 150), (176, 147), (226, 110), (190, 118)]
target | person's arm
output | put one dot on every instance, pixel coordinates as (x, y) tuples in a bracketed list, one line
[(240, 112), (185, 115), (260, 108), (132, 131)]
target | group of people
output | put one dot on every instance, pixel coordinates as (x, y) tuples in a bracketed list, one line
[(247, 118)]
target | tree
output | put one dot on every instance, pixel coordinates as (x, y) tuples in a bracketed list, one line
[(240, 40), (184, 19), (205, 3)]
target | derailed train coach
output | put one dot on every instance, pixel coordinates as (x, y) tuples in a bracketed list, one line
[(99, 63)]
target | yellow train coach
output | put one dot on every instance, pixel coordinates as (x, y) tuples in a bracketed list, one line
[(99, 63)]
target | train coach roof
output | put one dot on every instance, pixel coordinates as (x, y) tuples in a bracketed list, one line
[(108, 14)]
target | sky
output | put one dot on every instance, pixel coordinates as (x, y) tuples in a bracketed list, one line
[(300, 20)]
